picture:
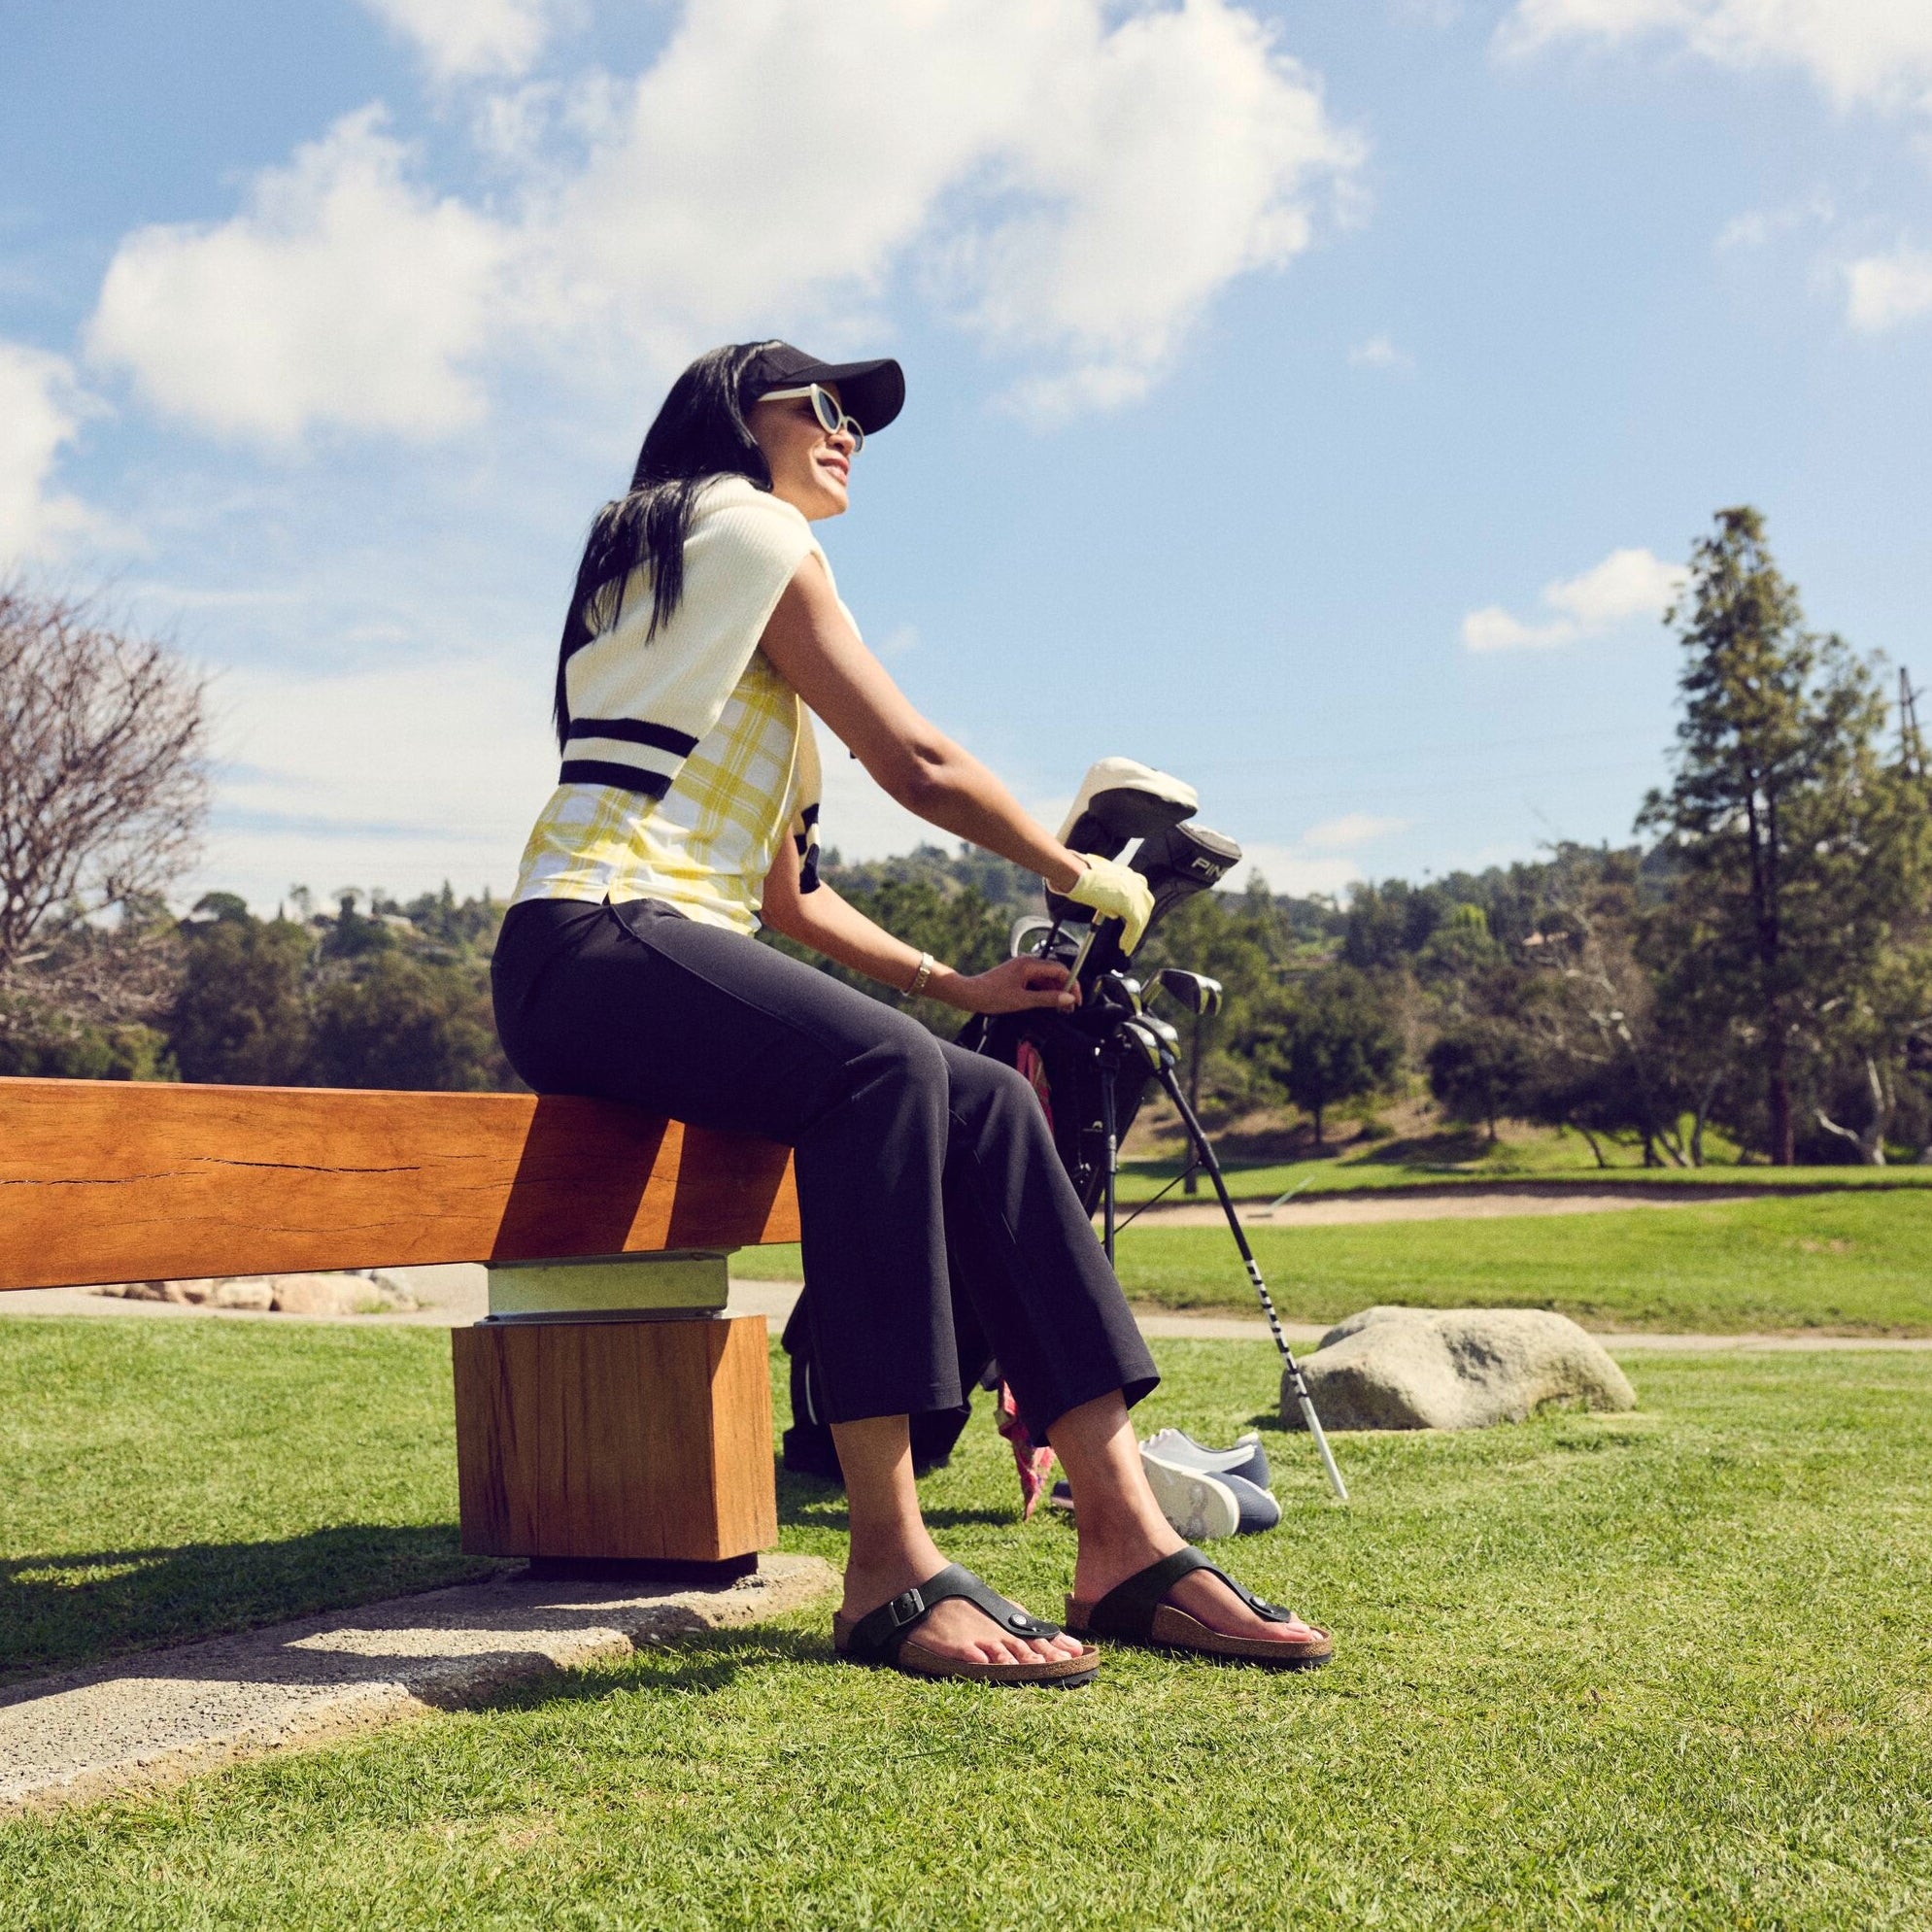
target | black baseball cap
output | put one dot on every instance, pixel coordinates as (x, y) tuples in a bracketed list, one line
[(873, 392)]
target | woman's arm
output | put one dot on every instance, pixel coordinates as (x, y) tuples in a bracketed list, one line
[(828, 925), (825, 660)]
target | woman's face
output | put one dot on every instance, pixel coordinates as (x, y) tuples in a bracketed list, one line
[(810, 465)]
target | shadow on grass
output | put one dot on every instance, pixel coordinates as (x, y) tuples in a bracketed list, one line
[(810, 1502), (696, 1660), (1447, 1147), (81, 1607)]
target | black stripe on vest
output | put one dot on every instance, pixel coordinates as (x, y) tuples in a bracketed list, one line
[(626, 777), (636, 732)]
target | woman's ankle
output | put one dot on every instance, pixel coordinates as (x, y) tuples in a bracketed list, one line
[(1110, 1554), (882, 1567)]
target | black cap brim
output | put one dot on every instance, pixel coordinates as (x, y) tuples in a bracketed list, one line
[(873, 392)]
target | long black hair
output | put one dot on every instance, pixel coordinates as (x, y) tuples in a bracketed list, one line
[(699, 432)]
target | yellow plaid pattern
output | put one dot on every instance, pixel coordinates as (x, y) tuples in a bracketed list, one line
[(706, 845)]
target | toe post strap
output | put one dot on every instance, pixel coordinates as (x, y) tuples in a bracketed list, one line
[(878, 1634), (1128, 1608)]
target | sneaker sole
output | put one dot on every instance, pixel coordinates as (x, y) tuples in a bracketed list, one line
[(1200, 1506)]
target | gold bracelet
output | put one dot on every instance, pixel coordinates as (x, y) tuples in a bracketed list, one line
[(919, 978)]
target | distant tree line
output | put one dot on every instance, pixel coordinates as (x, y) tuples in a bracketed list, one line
[(1753, 972), (376, 993)]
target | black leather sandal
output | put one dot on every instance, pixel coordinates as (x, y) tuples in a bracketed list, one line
[(1138, 1612), (885, 1637)]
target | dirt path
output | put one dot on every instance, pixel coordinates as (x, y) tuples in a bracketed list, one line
[(1459, 1204), (455, 1295)]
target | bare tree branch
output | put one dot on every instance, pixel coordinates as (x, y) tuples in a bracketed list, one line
[(103, 796)]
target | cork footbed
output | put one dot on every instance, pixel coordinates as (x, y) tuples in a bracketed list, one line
[(914, 1659), (1175, 1630)]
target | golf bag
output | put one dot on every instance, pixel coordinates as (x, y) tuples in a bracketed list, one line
[(1060, 1054)]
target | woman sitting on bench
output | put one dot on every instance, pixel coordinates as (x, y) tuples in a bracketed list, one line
[(703, 621)]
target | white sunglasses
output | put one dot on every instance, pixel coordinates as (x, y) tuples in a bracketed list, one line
[(825, 406)]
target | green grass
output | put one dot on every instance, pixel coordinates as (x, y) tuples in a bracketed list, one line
[(168, 1480), (1844, 1263), (1849, 1264), (1458, 1161), (1665, 1670)]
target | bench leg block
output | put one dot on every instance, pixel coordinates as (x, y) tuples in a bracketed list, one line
[(617, 1441)]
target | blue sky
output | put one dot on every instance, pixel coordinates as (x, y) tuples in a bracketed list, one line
[(1313, 400)]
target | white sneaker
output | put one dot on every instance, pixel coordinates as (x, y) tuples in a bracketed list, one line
[(1245, 1458), (1199, 1506)]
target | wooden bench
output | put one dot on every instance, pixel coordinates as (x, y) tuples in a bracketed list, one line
[(607, 1414)]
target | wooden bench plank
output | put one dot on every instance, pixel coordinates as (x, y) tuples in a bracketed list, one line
[(133, 1181)]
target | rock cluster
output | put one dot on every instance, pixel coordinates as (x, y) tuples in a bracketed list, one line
[(280, 1294), (1390, 1368)]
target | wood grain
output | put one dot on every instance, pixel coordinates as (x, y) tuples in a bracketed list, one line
[(134, 1181), (641, 1439)]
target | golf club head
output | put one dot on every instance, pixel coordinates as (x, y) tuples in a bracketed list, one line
[(1182, 861), (1193, 992), (1023, 941), (1140, 1034)]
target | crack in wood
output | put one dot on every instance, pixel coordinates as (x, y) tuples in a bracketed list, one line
[(305, 1166)]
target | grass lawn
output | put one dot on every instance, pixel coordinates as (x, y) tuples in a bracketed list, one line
[(1668, 1668), (167, 1479), (1845, 1263), (1544, 1163)]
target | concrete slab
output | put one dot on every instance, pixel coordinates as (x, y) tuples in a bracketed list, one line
[(165, 1715)]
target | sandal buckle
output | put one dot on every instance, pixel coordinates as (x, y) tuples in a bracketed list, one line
[(906, 1608)]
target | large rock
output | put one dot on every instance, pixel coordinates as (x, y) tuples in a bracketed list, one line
[(1453, 1368), (286, 1293), (337, 1295), (242, 1292)]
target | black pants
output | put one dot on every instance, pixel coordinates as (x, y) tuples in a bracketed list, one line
[(917, 1161)]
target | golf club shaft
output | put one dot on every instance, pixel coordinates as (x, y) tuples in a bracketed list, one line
[(1204, 1147), (1109, 1184)]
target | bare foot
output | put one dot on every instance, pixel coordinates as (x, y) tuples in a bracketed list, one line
[(1209, 1601), (955, 1628)]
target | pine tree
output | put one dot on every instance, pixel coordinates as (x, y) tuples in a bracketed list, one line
[(1797, 849)]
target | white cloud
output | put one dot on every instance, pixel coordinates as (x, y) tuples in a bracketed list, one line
[(857, 819), (1862, 52), (1378, 352), (1073, 182), (397, 776), (1627, 584), (367, 748), (1757, 227), (1350, 830), (460, 39), (1165, 158), (41, 409), (1492, 628), (1287, 869), (1318, 861), (1884, 290), (342, 293)]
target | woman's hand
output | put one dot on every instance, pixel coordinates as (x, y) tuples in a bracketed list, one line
[(1110, 890), (1011, 987)]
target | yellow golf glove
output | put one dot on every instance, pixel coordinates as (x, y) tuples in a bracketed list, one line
[(1109, 890)]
